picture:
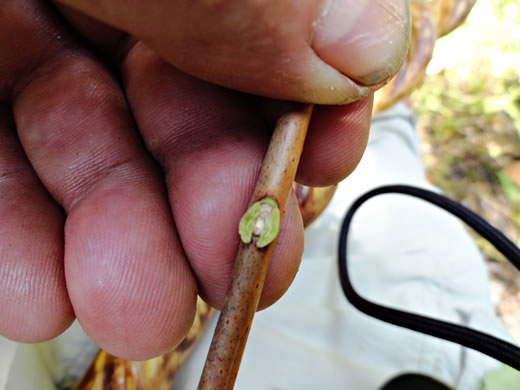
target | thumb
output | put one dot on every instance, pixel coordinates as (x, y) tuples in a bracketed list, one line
[(328, 51)]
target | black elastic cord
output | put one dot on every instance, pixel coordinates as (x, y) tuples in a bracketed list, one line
[(492, 346)]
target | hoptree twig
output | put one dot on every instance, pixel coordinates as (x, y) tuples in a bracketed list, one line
[(258, 231)]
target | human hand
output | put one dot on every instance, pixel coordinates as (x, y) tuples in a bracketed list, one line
[(122, 178)]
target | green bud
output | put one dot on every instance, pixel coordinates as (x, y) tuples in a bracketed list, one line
[(261, 222)]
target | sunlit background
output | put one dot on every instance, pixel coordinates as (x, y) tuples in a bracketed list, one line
[(468, 110)]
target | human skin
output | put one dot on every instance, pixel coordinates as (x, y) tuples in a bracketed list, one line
[(126, 161)]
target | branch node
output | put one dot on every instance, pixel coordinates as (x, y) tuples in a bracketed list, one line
[(260, 223)]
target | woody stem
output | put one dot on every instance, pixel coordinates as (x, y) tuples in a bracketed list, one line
[(252, 262)]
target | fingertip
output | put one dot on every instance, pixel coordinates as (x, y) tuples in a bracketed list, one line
[(34, 300), (129, 282), (36, 321), (210, 191), (365, 40), (35, 306)]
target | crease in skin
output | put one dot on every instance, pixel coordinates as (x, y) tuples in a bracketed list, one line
[(326, 8), (360, 37)]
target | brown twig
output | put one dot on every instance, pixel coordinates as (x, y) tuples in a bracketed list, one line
[(252, 262)]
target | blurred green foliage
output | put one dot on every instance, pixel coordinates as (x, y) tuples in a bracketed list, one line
[(469, 115)]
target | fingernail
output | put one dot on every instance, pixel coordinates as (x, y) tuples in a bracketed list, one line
[(367, 40)]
